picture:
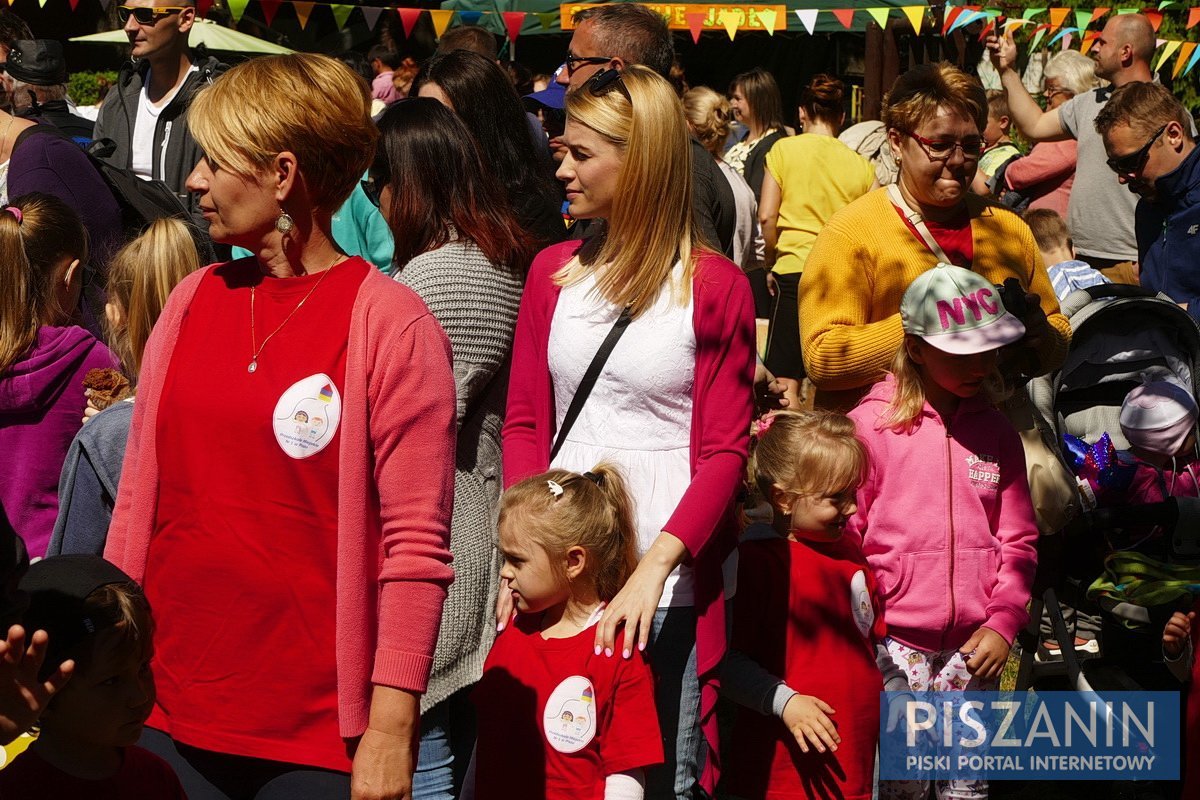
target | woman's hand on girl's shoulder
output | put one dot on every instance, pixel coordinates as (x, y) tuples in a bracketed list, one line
[(636, 603), (985, 654)]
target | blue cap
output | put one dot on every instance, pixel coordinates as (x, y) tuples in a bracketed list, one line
[(554, 95)]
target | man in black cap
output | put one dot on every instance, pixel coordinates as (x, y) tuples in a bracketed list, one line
[(37, 75)]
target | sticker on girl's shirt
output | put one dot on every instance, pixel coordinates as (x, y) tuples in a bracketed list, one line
[(307, 416), (860, 603), (569, 718)]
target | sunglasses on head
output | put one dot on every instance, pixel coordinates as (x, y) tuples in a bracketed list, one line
[(605, 81), (147, 16), (1132, 163)]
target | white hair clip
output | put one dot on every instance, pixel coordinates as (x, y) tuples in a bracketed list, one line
[(555, 489)]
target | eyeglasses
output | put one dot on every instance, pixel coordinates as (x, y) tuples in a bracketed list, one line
[(604, 82), (943, 149), (147, 16), (575, 62), (373, 188), (1054, 91), (1132, 163)]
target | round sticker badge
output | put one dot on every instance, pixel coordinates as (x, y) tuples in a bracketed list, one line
[(569, 718), (307, 416), (860, 603)]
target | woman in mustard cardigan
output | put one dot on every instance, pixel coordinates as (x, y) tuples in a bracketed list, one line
[(870, 251)]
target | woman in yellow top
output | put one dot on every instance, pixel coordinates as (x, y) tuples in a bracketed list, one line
[(808, 179), (870, 251)]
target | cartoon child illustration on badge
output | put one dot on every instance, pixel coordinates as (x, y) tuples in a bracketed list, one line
[(860, 603), (569, 719), (307, 416)]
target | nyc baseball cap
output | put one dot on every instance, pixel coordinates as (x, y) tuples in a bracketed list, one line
[(958, 312)]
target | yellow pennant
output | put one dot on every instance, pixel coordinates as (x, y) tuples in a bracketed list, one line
[(730, 20), (768, 17), (916, 15), (441, 20)]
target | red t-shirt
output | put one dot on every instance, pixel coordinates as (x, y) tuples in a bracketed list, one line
[(555, 719), (954, 237), (142, 776), (241, 569), (807, 613)]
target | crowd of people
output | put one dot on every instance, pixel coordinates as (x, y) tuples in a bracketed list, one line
[(545, 418)]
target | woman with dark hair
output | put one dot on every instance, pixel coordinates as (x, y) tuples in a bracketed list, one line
[(808, 178), (482, 95), (460, 247), (757, 104)]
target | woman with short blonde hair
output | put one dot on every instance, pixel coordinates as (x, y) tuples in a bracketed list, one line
[(672, 403), (287, 485)]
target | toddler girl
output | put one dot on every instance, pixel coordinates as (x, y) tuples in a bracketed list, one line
[(556, 718), (806, 620), (44, 357), (944, 515), (1158, 420)]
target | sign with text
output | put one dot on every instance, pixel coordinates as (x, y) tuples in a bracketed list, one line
[(715, 16), (1025, 736)]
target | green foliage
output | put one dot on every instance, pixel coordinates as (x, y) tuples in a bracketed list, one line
[(84, 87)]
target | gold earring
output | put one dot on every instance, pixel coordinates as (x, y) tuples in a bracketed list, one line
[(284, 222)]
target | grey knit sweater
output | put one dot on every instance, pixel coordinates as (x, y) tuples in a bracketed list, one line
[(476, 303)]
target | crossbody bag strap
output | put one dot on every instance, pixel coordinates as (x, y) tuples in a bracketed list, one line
[(589, 378), (918, 222)]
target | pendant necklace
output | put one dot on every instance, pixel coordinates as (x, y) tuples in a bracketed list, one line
[(258, 348)]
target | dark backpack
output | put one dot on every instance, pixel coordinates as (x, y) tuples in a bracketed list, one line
[(1016, 199), (141, 202)]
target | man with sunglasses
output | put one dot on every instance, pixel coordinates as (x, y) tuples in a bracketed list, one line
[(614, 35), (1099, 213), (146, 114), (1151, 149)]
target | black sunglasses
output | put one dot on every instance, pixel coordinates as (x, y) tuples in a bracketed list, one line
[(146, 16), (605, 81), (575, 62), (1132, 163)]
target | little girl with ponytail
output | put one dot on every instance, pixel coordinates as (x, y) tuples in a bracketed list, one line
[(43, 357), (557, 719)]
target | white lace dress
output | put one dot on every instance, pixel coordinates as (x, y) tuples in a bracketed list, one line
[(639, 414)]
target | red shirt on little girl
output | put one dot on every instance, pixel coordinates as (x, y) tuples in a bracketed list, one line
[(555, 719)]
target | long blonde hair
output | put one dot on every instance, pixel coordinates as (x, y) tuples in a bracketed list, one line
[(140, 277), (592, 511), (650, 225), (47, 232)]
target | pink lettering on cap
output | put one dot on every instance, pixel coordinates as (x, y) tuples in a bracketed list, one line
[(989, 306), (948, 311)]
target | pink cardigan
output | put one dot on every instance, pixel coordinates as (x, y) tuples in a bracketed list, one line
[(722, 405), (395, 487)]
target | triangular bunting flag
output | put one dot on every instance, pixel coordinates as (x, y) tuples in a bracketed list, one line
[(695, 21), (1185, 53), (1083, 19), (1063, 33), (42, 3), (1057, 17), (1011, 25), (1037, 37), (844, 16), (1089, 40), (341, 13), (880, 16), (303, 10), (1155, 18), (915, 15), (236, 8), (1168, 50), (1193, 17), (269, 7), (370, 16), (966, 18), (1159, 43), (74, 4), (808, 18), (202, 7), (1121, 11), (768, 17), (408, 18), (469, 17), (1097, 13), (952, 14), (513, 20), (1030, 13), (544, 17), (441, 20), (1192, 61), (1166, 3), (730, 20)]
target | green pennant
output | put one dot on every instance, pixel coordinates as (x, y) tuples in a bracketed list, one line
[(880, 15), (341, 13), (1030, 13), (1037, 39), (1083, 19), (237, 8), (546, 18)]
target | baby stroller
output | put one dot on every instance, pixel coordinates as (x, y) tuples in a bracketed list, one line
[(1121, 334)]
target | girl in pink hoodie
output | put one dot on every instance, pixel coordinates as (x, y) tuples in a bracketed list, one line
[(944, 516)]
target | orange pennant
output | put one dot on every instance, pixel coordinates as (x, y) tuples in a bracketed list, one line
[(844, 16), (303, 9), (1057, 17), (695, 21), (1155, 18), (1193, 17), (1185, 53), (1097, 13)]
